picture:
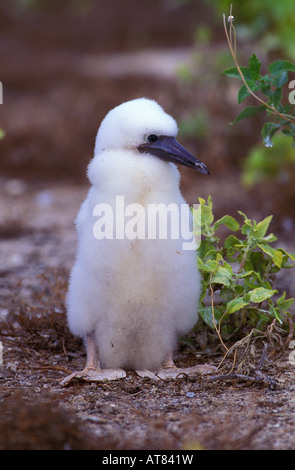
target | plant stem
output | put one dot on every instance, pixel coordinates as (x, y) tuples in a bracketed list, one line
[(214, 322), (232, 49)]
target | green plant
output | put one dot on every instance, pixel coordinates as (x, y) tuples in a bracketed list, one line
[(281, 115), (238, 274)]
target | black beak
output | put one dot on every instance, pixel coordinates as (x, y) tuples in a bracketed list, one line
[(167, 148)]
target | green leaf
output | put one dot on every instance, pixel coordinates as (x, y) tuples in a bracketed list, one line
[(243, 215), (260, 293), (244, 93), (280, 79), (265, 84), (276, 314), (232, 245), (206, 250), (222, 275), (233, 72), (262, 227), (247, 228), (229, 221), (248, 112), (281, 66), (269, 238), (276, 255), (283, 303), (275, 98), (207, 216), (206, 314), (235, 304), (208, 266), (286, 257), (256, 261), (245, 274), (289, 255), (232, 242), (254, 67)]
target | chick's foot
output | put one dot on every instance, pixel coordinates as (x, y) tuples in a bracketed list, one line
[(176, 372), (91, 374)]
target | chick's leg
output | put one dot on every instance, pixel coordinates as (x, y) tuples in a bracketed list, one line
[(169, 363), (92, 371), (92, 361)]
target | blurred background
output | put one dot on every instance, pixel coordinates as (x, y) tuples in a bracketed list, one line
[(64, 65)]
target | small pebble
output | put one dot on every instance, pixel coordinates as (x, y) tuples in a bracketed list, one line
[(190, 394)]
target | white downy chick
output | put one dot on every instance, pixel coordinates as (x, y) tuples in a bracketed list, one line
[(131, 298)]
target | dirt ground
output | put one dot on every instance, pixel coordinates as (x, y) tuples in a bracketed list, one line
[(50, 115)]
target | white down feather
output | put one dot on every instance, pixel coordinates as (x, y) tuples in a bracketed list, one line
[(137, 295)]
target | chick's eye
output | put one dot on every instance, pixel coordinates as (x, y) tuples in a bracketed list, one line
[(152, 138)]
